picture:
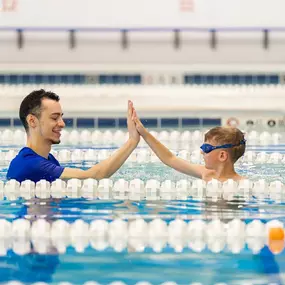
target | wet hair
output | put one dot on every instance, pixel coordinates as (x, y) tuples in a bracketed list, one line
[(32, 104), (228, 135)]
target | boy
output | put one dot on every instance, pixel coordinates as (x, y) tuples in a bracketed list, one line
[(222, 148)]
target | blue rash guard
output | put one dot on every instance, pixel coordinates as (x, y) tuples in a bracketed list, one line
[(29, 165)]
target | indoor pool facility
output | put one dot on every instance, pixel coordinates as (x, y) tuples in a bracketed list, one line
[(142, 142)]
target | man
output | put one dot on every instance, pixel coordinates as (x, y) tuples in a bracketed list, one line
[(41, 115)]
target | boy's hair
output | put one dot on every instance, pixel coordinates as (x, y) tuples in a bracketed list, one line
[(228, 135), (32, 105)]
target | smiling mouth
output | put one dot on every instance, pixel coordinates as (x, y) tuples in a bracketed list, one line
[(58, 133)]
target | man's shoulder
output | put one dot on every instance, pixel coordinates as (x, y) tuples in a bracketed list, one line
[(27, 152), (26, 157), (24, 162)]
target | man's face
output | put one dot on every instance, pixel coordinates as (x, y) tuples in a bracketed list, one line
[(50, 122)]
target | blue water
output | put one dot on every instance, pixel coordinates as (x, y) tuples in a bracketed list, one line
[(130, 266), (108, 266)]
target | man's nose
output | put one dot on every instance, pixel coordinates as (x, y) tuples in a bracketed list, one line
[(61, 123)]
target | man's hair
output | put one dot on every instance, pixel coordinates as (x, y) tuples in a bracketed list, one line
[(32, 104), (228, 135)]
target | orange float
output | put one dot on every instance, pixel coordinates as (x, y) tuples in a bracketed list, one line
[(276, 238)]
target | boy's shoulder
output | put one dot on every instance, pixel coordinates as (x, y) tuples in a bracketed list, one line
[(208, 175)]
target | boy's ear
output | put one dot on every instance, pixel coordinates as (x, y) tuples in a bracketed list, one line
[(223, 155)]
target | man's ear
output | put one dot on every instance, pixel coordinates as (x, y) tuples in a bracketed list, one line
[(223, 155), (32, 121)]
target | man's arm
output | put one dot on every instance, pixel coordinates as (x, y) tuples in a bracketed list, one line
[(165, 155), (106, 168)]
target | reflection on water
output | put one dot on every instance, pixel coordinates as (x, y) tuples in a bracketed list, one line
[(89, 209), (131, 267)]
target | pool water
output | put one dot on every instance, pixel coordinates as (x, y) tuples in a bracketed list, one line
[(183, 262), (130, 267)]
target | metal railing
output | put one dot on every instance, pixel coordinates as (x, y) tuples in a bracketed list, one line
[(124, 31)]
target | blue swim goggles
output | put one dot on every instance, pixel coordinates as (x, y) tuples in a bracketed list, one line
[(207, 148)]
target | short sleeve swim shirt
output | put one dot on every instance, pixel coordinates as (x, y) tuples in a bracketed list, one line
[(29, 165)]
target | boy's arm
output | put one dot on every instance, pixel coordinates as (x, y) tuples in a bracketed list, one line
[(165, 155), (109, 166)]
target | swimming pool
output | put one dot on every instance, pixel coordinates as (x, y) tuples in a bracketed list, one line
[(152, 236)]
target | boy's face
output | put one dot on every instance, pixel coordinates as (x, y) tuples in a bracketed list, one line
[(215, 157)]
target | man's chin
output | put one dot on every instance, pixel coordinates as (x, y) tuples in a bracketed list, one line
[(55, 141)]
